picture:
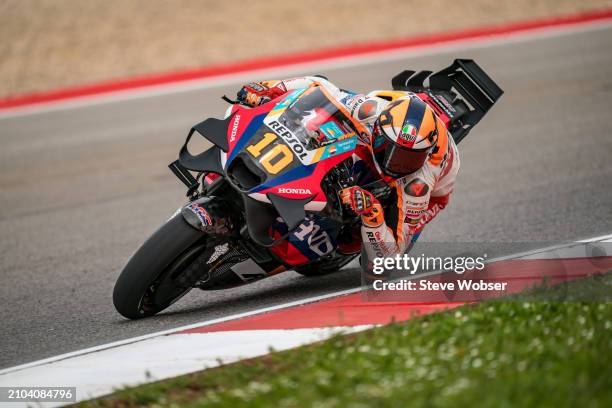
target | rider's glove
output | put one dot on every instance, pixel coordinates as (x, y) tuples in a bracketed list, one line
[(256, 93), (359, 200), (363, 203)]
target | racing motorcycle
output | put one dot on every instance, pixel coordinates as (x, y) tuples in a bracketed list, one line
[(269, 172)]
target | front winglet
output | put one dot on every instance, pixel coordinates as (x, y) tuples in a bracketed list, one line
[(215, 131)]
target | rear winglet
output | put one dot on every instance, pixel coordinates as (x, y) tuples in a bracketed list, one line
[(468, 91)]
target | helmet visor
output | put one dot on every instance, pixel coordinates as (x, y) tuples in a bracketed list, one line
[(399, 161), (396, 161)]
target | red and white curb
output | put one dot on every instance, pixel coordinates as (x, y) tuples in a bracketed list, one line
[(101, 370)]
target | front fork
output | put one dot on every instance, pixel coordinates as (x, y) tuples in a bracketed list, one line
[(216, 218)]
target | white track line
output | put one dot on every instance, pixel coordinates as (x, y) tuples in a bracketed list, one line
[(603, 238), (553, 248), (320, 66), (178, 329)]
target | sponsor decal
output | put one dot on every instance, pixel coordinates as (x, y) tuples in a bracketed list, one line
[(354, 102), (373, 220), (219, 250), (414, 211), (283, 190), (417, 188), (367, 110), (411, 221), (331, 130), (347, 99), (286, 102), (234, 128), (316, 238), (292, 141), (375, 244), (444, 104), (409, 132), (201, 213)]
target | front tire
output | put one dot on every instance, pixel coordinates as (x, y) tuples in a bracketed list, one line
[(146, 286)]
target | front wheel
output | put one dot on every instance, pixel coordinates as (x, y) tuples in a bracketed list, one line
[(147, 285)]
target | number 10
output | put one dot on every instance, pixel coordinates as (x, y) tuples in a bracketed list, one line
[(271, 160)]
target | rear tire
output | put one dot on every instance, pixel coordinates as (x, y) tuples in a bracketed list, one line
[(146, 285)]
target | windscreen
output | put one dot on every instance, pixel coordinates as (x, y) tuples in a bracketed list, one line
[(316, 120)]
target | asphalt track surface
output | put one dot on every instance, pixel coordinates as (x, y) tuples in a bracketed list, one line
[(82, 188)]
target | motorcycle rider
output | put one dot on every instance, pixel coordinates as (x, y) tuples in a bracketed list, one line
[(408, 146)]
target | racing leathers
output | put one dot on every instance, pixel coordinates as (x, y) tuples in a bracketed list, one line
[(416, 198)]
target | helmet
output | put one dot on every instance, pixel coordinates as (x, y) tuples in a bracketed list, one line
[(404, 134)]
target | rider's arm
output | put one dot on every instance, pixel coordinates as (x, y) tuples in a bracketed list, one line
[(384, 232), (364, 108), (389, 232), (292, 84), (257, 93)]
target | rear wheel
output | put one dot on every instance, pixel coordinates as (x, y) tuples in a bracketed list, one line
[(148, 283)]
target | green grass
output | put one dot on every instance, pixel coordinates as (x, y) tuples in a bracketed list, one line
[(511, 353)]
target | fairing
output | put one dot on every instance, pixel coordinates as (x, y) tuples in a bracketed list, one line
[(278, 153), (311, 133)]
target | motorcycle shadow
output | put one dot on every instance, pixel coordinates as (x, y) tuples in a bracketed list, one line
[(285, 287)]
